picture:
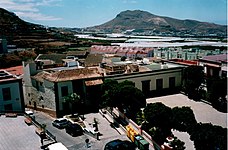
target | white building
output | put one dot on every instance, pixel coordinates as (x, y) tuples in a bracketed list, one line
[(45, 89), (11, 93)]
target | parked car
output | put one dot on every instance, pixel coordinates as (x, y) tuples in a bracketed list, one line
[(30, 113), (57, 146), (74, 129), (60, 123), (119, 145)]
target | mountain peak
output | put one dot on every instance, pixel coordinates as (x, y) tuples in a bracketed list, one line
[(135, 13), (145, 22)]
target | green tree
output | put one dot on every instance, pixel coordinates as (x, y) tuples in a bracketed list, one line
[(123, 95), (130, 99), (74, 100), (177, 144), (183, 118), (216, 93), (159, 134), (193, 77), (109, 90), (140, 118), (208, 136), (158, 115)]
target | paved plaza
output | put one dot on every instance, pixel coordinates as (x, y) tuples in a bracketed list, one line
[(203, 113), (16, 135)]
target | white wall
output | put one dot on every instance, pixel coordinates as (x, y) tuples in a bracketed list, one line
[(15, 96), (153, 76)]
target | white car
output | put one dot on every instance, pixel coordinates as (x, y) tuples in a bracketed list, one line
[(30, 113), (57, 146)]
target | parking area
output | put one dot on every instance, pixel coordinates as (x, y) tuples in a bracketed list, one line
[(107, 133), (16, 135)]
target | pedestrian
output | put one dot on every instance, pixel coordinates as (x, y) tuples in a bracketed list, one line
[(42, 141), (87, 143)]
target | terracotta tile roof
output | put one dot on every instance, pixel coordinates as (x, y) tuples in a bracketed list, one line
[(66, 75), (93, 82), (17, 70)]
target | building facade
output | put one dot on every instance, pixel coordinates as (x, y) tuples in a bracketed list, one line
[(11, 93), (46, 88), (214, 65), (3, 46)]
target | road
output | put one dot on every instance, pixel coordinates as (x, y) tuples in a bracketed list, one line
[(78, 143)]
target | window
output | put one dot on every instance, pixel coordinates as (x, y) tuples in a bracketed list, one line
[(159, 84), (6, 93), (146, 87), (8, 107), (64, 90), (172, 82)]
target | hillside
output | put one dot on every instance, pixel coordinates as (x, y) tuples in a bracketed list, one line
[(12, 25), (25, 34), (145, 22)]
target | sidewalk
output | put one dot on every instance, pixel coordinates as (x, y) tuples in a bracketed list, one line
[(104, 128)]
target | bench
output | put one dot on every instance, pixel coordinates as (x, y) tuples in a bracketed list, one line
[(11, 115), (28, 121)]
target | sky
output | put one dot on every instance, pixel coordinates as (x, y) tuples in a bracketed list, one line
[(87, 13)]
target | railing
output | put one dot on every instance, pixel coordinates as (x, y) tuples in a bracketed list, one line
[(137, 128), (38, 125)]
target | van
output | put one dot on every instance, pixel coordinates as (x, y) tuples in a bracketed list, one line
[(57, 146)]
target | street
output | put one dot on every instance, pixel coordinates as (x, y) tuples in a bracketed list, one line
[(78, 143)]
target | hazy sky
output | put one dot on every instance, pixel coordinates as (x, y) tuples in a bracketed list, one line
[(85, 13)]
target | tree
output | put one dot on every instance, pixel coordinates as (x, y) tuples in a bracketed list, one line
[(130, 99), (123, 58), (193, 77), (123, 95), (159, 134), (177, 144), (109, 90), (158, 115), (73, 99), (216, 93), (183, 118), (140, 118), (208, 136)]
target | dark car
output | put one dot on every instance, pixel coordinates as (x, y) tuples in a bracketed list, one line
[(119, 145), (74, 129), (60, 123)]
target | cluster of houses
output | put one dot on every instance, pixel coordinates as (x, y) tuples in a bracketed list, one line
[(50, 77)]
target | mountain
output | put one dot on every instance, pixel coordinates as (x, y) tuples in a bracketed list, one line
[(24, 34), (144, 22), (12, 25)]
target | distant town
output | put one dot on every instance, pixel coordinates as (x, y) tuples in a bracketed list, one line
[(97, 88)]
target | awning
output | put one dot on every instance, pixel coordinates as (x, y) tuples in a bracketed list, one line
[(212, 65), (93, 82)]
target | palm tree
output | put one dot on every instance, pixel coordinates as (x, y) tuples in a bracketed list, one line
[(73, 99)]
